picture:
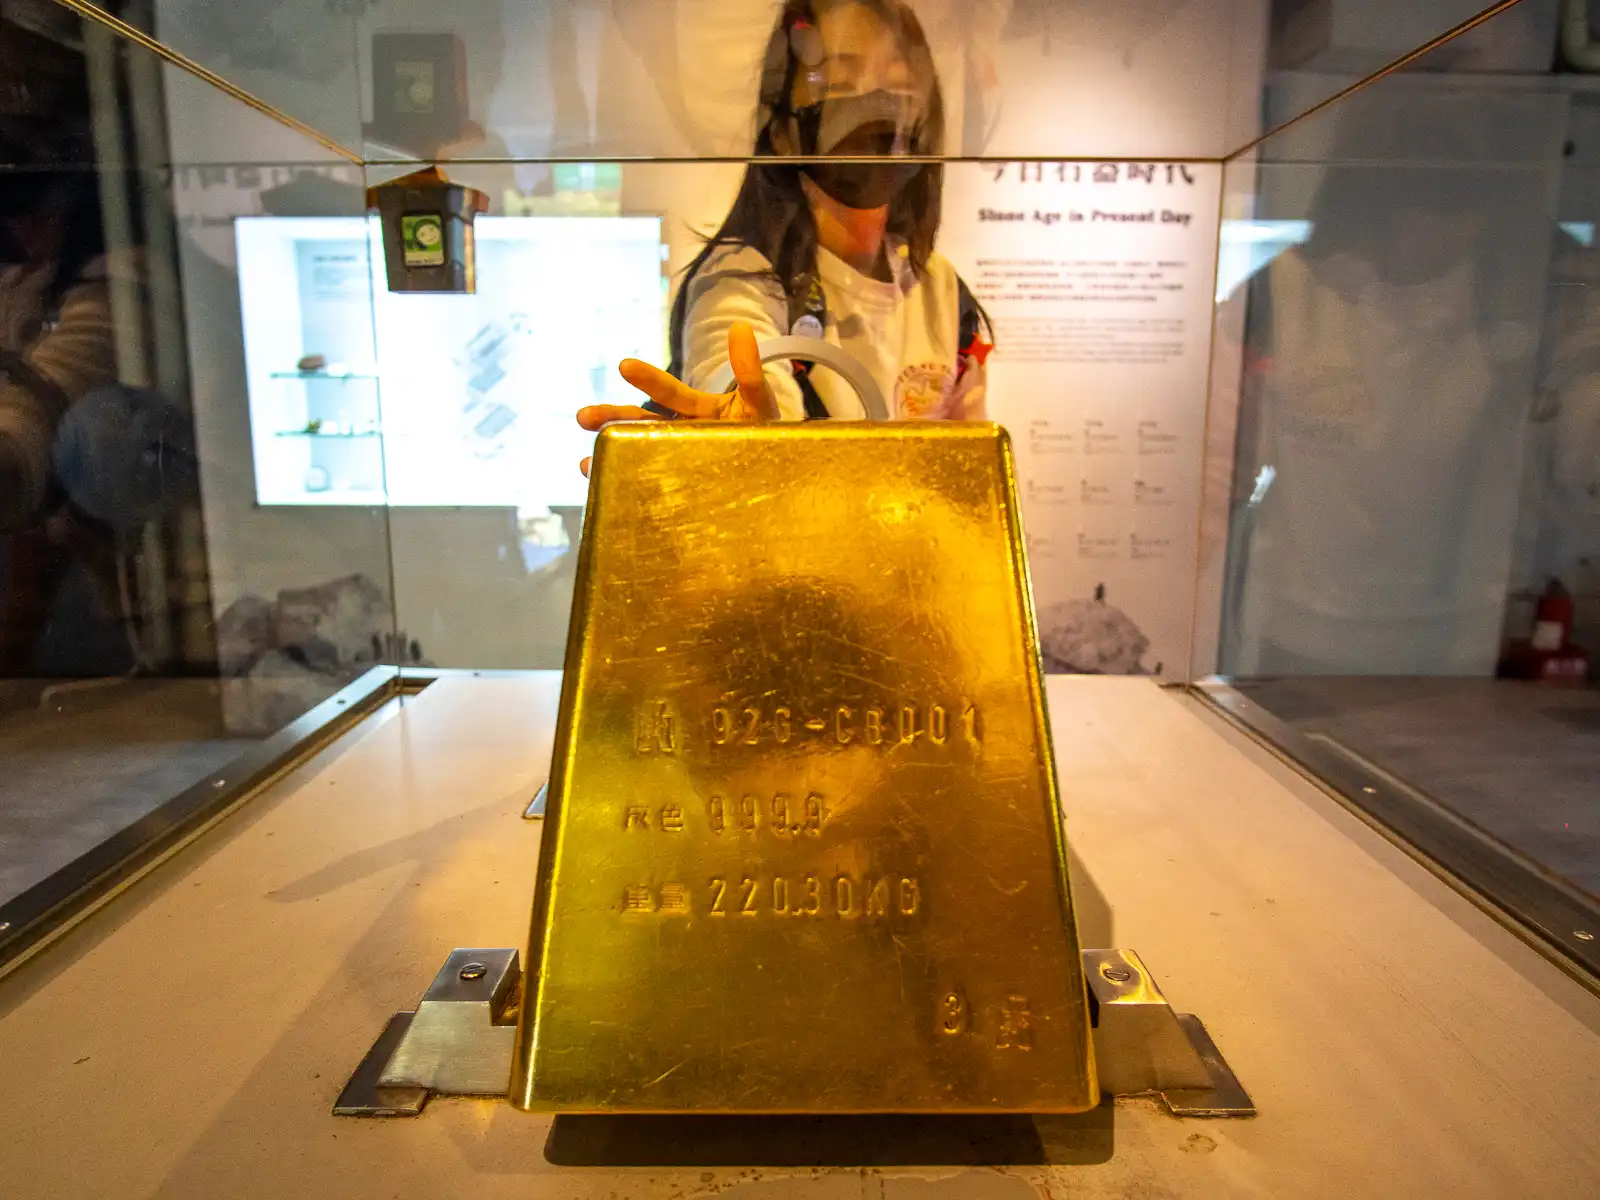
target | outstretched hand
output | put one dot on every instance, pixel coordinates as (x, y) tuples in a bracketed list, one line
[(751, 399)]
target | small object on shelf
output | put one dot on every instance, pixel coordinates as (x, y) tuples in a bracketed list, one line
[(342, 372), (311, 362), (318, 479), (314, 426)]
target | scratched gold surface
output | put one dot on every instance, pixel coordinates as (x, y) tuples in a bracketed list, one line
[(803, 849)]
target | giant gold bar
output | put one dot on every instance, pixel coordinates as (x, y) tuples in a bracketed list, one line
[(803, 847)]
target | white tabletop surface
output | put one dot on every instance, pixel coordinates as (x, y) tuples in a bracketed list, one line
[(189, 1040)]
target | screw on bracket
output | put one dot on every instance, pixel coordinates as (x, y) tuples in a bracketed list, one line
[(474, 971), (1117, 974)]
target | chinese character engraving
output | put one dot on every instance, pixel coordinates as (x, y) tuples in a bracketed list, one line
[(653, 730), (674, 900), (1015, 1031), (637, 816), (636, 899)]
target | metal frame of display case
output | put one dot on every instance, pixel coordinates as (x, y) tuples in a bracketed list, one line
[(1556, 918), (37, 916)]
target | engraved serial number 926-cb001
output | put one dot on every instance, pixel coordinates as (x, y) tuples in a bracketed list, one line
[(657, 729), (843, 724)]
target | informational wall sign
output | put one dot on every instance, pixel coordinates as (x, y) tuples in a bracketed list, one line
[(1098, 278)]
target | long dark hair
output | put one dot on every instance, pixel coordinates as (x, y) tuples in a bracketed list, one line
[(770, 213)]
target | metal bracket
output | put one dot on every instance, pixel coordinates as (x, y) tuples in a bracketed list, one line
[(1142, 1046), (363, 1097), (535, 809), (458, 1041)]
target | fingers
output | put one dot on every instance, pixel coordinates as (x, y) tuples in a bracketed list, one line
[(596, 415), (754, 390), (755, 398), (671, 393)]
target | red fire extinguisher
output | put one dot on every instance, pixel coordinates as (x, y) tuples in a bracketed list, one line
[(1549, 654), (1552, 620)]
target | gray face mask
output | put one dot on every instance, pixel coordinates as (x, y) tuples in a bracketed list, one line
[(863, 185)]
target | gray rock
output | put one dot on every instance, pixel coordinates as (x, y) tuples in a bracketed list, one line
[(334, 622), (1091, 637), (244, 633)]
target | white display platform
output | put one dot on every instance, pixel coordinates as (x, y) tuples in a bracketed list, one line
[(189, 1040)]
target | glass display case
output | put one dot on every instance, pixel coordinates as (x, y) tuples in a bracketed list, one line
[(1286, 306), (1407, 593)]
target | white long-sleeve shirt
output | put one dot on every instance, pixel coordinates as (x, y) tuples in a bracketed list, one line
[(1383, 541), (905, 332)]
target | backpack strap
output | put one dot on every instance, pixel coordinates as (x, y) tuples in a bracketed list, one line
[(813, 305)]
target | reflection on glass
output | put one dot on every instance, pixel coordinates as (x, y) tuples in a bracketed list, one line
[(1099, 269), (1411, 578), (465, 379), (1320, 47), (154, 621), (835, 251), (1390, 351), (488, 80)]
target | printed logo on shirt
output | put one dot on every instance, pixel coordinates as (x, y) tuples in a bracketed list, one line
[(923, 390)]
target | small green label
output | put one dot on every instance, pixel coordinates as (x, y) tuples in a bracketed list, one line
[(422, 237)]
